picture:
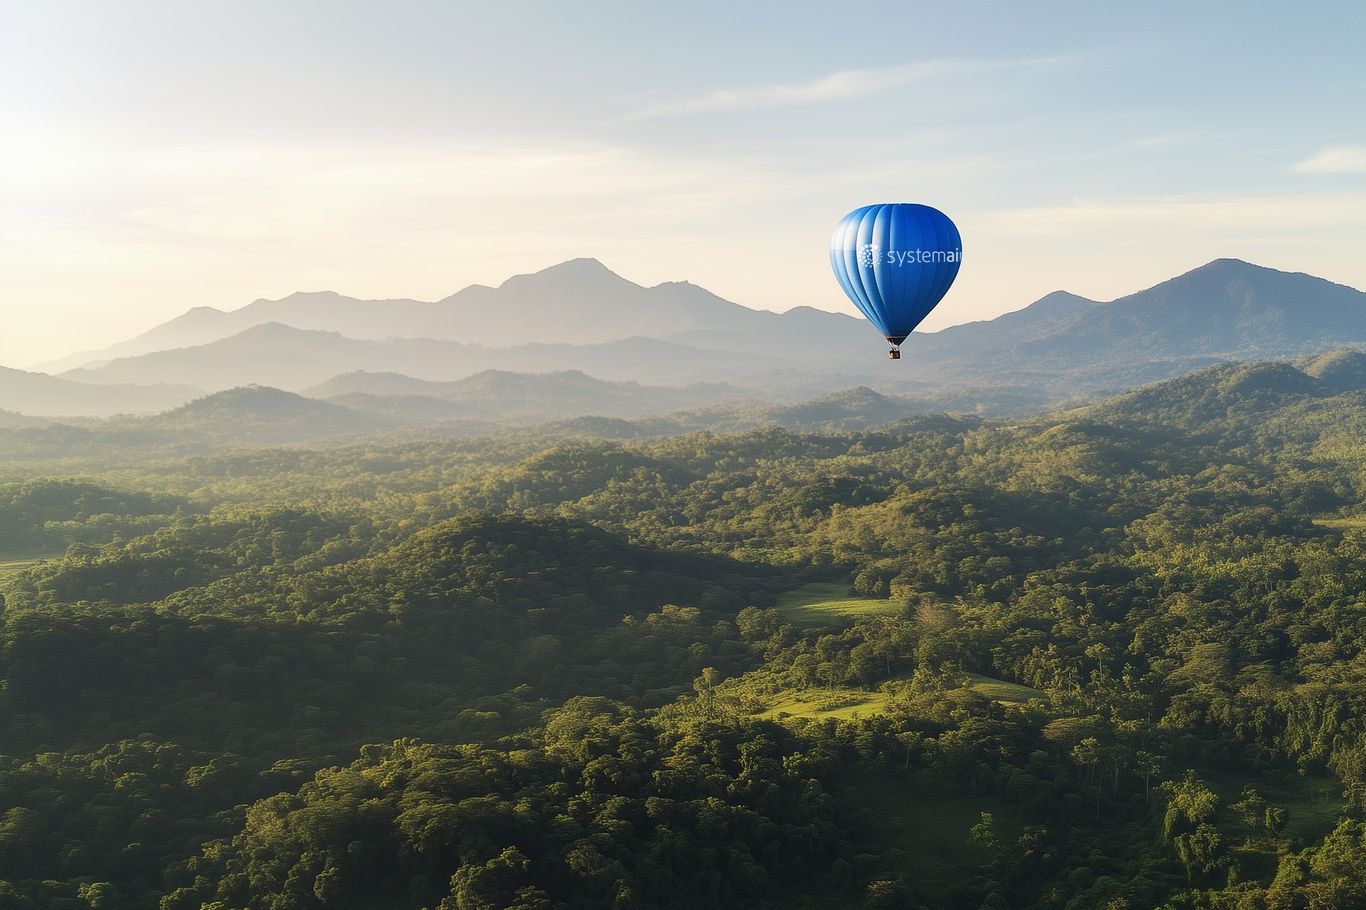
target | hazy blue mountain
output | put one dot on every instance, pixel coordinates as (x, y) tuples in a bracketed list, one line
[(363, 382), (1062, 347), (576, 302), (260, 415), (856, 408), (1301, 395), (52, 396), (1044, 316), (13, 420), (584, 302), (502, 396), (271, 354), (1225, 310), (290, 358)]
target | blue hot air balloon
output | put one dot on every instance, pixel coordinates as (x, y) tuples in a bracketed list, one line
[(896, 262)]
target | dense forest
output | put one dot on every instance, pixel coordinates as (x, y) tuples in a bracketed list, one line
[(1112, 657)]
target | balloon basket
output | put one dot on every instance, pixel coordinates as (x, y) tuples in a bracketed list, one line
[(894, 354)]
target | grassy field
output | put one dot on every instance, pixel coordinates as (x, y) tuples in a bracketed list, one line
[(1314, 805), (11, 564), (828, 603), (840, 704), (998, 690), (845, 704), (1342, 524)]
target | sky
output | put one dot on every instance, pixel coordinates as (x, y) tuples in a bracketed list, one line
[(156, 156)]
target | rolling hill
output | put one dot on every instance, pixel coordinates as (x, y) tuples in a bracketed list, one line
[(279, 355), (259, 415), (500, 395), (53, 396)]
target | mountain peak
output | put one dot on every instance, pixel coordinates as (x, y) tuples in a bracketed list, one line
[(1224, 283), (1230, 269), (1230, 263), (584, 268), (273, 330)]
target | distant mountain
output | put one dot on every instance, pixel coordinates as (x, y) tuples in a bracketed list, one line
[(576, 302), (1303, 401), (51, 396), (256, 416), (290, 358), (1047, 315), (1060, 348), (1225, 310), (13, 420), (248, 417), (502, 396), (852, 409)]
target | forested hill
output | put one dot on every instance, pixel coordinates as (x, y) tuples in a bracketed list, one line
[(1215, 396), (1110, 657), (398, 408)]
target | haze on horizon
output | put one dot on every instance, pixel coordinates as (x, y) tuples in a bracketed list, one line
[(158, 156)]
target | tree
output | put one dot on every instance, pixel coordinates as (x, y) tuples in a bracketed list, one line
[(487, 886), (1147, 765), (983, 834), (1199, 850), (1251, 808), (1189, 805)]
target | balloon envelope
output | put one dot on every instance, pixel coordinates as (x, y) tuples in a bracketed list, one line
[(896, 262)]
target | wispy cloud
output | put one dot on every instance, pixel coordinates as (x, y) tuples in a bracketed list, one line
[(834, 86), (1207, 216), (1335, 159)]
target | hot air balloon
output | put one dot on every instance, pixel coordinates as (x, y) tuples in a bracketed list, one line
[(896, 262)]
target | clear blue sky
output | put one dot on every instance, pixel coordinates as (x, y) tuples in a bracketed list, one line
[(159, 155)]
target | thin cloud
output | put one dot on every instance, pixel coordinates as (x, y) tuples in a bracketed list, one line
[(1240, 216), (832, 87), (1335, 159)]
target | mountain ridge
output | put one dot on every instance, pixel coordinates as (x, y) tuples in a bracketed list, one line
[(579, 301), (1059, 347)]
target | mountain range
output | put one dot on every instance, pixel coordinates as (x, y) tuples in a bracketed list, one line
[(580, 317), (1206, 403), (579, 302)]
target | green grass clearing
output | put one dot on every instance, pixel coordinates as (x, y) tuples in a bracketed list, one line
[(823, 704), (1000, 691), (841, 703), (1342, 524), (10, 565), (1314, 804), (828, 603)]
